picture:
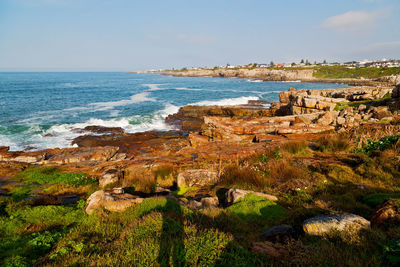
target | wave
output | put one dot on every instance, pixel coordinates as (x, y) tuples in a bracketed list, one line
[(141, 97), (297, 81), (227, 101), (153, 86), (254, 80)]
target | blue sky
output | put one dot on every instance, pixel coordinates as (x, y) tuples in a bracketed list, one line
[(125, 35)]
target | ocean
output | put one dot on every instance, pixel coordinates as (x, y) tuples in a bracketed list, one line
[(40, 110)]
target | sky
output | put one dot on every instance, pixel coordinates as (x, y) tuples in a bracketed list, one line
[(129, 35)]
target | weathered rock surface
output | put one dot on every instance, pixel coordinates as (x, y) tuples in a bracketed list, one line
[(203, 203), (388, 213), (190, 118), (112, 201), (233, 195), (324, 224), (197, 178), (109, 177), (100, 129)]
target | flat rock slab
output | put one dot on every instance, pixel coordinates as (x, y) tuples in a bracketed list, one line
[(112, 201), (234, 195), (197, 178), (324, 224)]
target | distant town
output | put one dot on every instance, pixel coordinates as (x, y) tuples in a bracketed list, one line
[(304, 63)]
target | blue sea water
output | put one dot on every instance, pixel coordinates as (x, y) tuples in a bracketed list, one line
[(40, 110)]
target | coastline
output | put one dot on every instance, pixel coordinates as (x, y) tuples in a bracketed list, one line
[(266, 74)]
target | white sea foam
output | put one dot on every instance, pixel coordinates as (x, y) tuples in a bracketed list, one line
[(153, 86), (227, 101), (141, 97), (255, 81)]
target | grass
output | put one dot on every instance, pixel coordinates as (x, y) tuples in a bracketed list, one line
[(52, 175), (253, 208), (340, 72), (333, 143), (161, 232), (243, 177)]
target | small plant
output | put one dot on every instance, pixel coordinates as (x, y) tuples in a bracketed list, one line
[(381, 144), (392, 252)]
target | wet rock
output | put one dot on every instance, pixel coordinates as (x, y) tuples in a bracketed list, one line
[(4, 148), (279, 232), (197, 178), (275, 251), (324, 224), (233, 195), (387, 214), (102, 129)]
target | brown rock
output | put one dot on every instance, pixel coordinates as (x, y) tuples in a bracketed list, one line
[(233, 195), (387, 214), (4, 148)]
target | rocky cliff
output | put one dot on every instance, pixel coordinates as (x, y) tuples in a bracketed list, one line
[(267, 74)]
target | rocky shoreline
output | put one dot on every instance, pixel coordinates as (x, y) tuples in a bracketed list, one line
[(266, 74), (219, 157)]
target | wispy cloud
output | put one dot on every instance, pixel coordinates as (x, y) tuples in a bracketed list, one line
[(354, 21)]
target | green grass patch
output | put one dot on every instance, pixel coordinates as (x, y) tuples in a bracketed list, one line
[(341, 72), (52, 175), (254, 208)]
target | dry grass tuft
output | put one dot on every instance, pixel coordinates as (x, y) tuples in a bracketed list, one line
[(243, 177), (333, 143), (165, 175)]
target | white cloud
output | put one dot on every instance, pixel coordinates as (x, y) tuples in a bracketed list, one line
[(353, 21)]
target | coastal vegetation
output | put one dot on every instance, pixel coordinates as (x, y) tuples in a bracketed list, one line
[(329, 174)]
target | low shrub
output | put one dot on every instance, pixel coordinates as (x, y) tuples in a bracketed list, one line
[(333, 143), (381, 144)]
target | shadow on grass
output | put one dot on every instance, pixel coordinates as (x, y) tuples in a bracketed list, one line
[(172, 237)]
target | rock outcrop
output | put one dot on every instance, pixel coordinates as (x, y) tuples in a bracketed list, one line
[(233, 195), (110, 200), (387, 214), (197, 178), (325, 224)]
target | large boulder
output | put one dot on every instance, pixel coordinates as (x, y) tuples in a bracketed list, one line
[(388, 213), (203, 203), (115, 201), (109, 177), (233, 195), (197, 178), (324, 224)]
